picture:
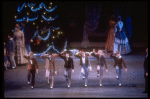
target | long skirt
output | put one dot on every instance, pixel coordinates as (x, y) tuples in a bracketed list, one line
[(110, 40), (20, 51), (121, 43)]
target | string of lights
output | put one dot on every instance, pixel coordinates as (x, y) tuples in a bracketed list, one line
[(36, 33), (55, 28), (49, 19), (47, 37), (36, 9), (28, 19), (36, 54), (20, 8), (49, 33), (53, 47), (33, 19), (32, 4), (20, 20), (50, 9)]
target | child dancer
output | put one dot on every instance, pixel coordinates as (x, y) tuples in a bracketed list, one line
[(50, 68), (100, 64), (85, 64), (69, 66), (32, 66), (118, 64)]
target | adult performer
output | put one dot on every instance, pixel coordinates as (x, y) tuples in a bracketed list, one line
[(111, 36), (121, 41)]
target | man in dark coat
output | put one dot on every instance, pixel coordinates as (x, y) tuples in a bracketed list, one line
[(146, 72)]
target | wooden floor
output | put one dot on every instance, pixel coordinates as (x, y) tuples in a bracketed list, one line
[(15, 81)]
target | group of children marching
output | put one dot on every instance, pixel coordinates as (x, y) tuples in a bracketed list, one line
[(69, 66)]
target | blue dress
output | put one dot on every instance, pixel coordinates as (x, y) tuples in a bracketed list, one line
[(121, 41)]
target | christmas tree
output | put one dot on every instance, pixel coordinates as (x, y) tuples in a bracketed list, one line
[(45, 30)]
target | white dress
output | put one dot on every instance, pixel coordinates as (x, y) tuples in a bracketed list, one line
[(20, 50)]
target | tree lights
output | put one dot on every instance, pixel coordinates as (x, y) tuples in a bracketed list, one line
[(31, 6), (41, 13)]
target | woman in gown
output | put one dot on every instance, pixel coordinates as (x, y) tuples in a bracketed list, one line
[(121, 41), (111, 35), (20, 45)]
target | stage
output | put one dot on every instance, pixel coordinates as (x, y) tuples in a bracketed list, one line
[(133, 82)]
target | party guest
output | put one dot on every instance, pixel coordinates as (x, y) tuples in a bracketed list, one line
[(20, 45), (6, 62), (146, 71), (121, 42), (32, 66), (11, 50)]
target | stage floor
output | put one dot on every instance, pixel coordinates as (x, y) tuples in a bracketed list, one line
[(15, 81)]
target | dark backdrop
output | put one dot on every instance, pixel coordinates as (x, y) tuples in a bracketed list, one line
[(69, 11)]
